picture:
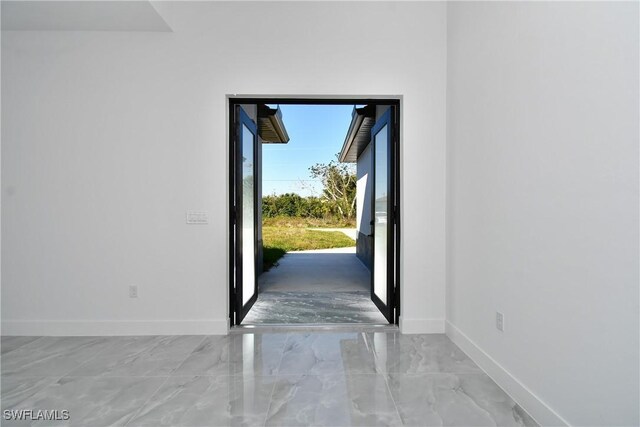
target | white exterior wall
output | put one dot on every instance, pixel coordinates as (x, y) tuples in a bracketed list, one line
[(543, 203), (109, 137), (363, 191)]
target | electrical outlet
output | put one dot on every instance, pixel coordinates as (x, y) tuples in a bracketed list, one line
[(499, 321), (133, 291)]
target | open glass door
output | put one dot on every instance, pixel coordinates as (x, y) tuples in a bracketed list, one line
[(382, 273), (245, 146)]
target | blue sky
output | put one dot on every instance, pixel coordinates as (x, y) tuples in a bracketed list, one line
[(317, 133)]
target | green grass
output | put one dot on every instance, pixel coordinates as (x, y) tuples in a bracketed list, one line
[(278, 240), (296, 222)]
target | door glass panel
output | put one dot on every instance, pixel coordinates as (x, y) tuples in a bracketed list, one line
[(380, 217), (248, 216)]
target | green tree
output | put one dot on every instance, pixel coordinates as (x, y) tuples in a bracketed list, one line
[(293, 205), (339, 186)]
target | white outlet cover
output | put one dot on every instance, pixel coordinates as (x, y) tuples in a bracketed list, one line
[(197, 217)]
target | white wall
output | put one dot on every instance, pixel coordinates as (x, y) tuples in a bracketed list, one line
[(543, 202), (108, 138)]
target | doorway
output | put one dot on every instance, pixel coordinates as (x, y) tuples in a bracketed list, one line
[(372, 142)]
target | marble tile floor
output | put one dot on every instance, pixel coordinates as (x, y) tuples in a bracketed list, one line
[(320, 378), (314, 307)]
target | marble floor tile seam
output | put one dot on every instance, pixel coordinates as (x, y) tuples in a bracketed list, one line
[(433, 374), (346, 401), (327, 374), (281, 370), (176, 373), (266, 415), (204, 338), (381, 368), (393, 399), (205, 375), (97, 355), (122, 376), (20, 346), (467, 375), (49, 390), (484, 373), (426, 372), (56, 377), (46, 376), (13, 398), (30, 376), (142, 350), (135, 413), (71, 374)]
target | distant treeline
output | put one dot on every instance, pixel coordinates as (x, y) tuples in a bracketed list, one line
[(294, 205), (338, 198)]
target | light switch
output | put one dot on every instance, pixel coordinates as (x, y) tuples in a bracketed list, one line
[(197, 217)]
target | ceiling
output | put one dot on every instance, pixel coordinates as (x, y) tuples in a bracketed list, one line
[(21, 15)]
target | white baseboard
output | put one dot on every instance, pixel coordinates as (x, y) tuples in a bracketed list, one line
[(540, 411), (114, 328), (421, 326)]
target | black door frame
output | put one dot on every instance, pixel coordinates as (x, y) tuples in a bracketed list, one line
[(395, 178), (242, 120), (386, 119)]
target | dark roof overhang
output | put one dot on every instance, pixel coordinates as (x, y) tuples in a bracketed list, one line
[(359, 133), (270, 125)]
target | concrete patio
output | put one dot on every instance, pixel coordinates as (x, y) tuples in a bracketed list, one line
[(318, 286)]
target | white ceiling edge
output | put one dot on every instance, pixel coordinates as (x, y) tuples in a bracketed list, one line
[(83, 15)]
